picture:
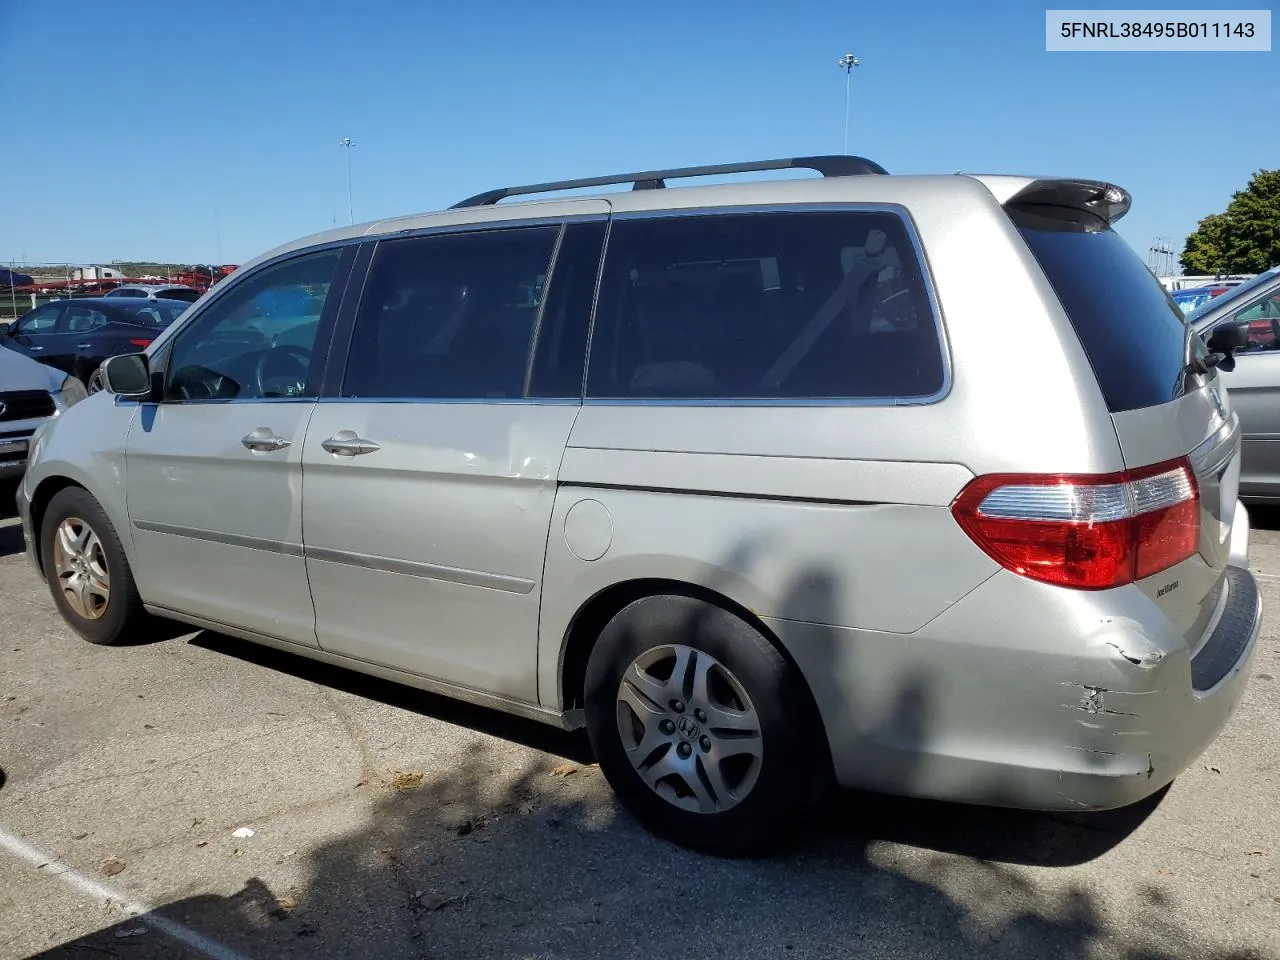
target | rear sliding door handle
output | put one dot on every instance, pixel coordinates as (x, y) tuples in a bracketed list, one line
[(263, 440), (346, 443)]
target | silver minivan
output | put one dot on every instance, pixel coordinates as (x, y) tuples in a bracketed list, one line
[(766, 484)]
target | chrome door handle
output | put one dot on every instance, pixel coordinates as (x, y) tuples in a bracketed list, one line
[(263, 440), (35, 349), (345, 443), (83, 346)]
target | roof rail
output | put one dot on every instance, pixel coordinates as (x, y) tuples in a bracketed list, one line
[(829, 166)]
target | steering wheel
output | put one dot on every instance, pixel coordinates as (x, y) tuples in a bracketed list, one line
[(301, 358)]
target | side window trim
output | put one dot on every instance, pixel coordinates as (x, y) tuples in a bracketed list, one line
[(922, 265), (159, 361)]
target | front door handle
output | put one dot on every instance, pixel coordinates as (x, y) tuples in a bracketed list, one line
[(83, 346), (34, 349), (263, 440), (345, 443)]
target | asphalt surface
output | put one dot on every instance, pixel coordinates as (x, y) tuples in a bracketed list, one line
[(389, 823)]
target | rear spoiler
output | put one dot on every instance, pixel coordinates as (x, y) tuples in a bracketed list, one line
[(1104, 200)]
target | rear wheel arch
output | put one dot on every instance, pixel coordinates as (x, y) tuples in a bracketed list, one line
[(596, 613)]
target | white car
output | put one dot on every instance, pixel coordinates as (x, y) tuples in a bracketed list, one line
[(30, 394), (157, 291)]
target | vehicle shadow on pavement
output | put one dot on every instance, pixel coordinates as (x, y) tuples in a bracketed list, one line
[(489, 859)]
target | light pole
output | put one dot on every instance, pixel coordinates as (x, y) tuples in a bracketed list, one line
[(348, 143), (848, 61)]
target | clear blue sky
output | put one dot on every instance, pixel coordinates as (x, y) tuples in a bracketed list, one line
[(146, 129)]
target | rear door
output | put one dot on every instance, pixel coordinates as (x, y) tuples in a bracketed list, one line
[(431, 464), (1138, 345)]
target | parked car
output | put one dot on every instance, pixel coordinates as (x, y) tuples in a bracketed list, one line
[(1191, 298), (157, 291), (30, 394), (762, 494), (1254, 383), (76, 335)]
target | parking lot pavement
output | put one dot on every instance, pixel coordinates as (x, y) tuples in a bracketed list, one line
[(389, 823)]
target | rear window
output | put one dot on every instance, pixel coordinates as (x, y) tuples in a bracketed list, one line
[(764, 306), (189, 296), (159, 314), (1130, 328)]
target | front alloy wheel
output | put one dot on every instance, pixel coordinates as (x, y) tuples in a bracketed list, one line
[(81, 565)]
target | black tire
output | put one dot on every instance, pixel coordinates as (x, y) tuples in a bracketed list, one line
[(794, 763), (122, 618)]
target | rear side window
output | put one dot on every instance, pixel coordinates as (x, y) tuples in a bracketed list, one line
[(1129, 326), (764, 306), (450, 316)]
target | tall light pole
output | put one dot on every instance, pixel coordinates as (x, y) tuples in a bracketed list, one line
[(348, 143), (848, 61)]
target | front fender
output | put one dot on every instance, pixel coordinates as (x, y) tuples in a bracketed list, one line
[(86, 446)]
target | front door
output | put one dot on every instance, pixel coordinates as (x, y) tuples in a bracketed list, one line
[(1254, 385), (431, 471), (214, 470), (33, 333)]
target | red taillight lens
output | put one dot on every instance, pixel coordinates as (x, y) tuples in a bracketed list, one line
[(1087, 532), (141, 344)]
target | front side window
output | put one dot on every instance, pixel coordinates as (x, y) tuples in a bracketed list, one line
[(41, 320), (828, 305), (1263, 318), (451, 316), (256, 341)]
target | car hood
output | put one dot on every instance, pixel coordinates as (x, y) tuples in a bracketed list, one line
[(22, 373)]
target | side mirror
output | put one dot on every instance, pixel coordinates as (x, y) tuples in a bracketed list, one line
[(126, 375), (1229, 337)]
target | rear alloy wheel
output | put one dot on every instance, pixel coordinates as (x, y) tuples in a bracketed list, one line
[(703, 728), (689, 729), (87, 572)]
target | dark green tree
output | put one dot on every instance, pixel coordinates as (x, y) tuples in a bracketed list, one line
[(1245, 238)]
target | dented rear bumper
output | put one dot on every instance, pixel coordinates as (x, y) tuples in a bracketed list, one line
[(1031, 696)]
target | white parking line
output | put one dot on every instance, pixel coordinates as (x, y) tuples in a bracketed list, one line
[(144, 912)]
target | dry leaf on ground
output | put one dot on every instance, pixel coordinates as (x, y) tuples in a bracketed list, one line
[(112, 865), (564, 770), (407, 781)]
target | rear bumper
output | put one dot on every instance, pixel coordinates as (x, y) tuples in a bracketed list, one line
[(1029, 696)]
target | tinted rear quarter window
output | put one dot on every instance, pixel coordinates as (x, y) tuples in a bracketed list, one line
[(785, 305), (1129, 326)]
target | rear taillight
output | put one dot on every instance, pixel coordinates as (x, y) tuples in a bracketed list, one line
[(1087, 532), (140, 343)]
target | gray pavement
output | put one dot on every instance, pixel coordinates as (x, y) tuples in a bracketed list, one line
[(389, 823)]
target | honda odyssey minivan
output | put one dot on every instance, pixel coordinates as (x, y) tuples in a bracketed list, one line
[(756, 481)]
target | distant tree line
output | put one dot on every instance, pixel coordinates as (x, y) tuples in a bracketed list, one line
[(1245, 238)]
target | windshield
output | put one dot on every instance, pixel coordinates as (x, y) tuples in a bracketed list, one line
[(1240, 293)]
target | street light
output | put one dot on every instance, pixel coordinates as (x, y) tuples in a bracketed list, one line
[(348, 143), (848, 61)]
